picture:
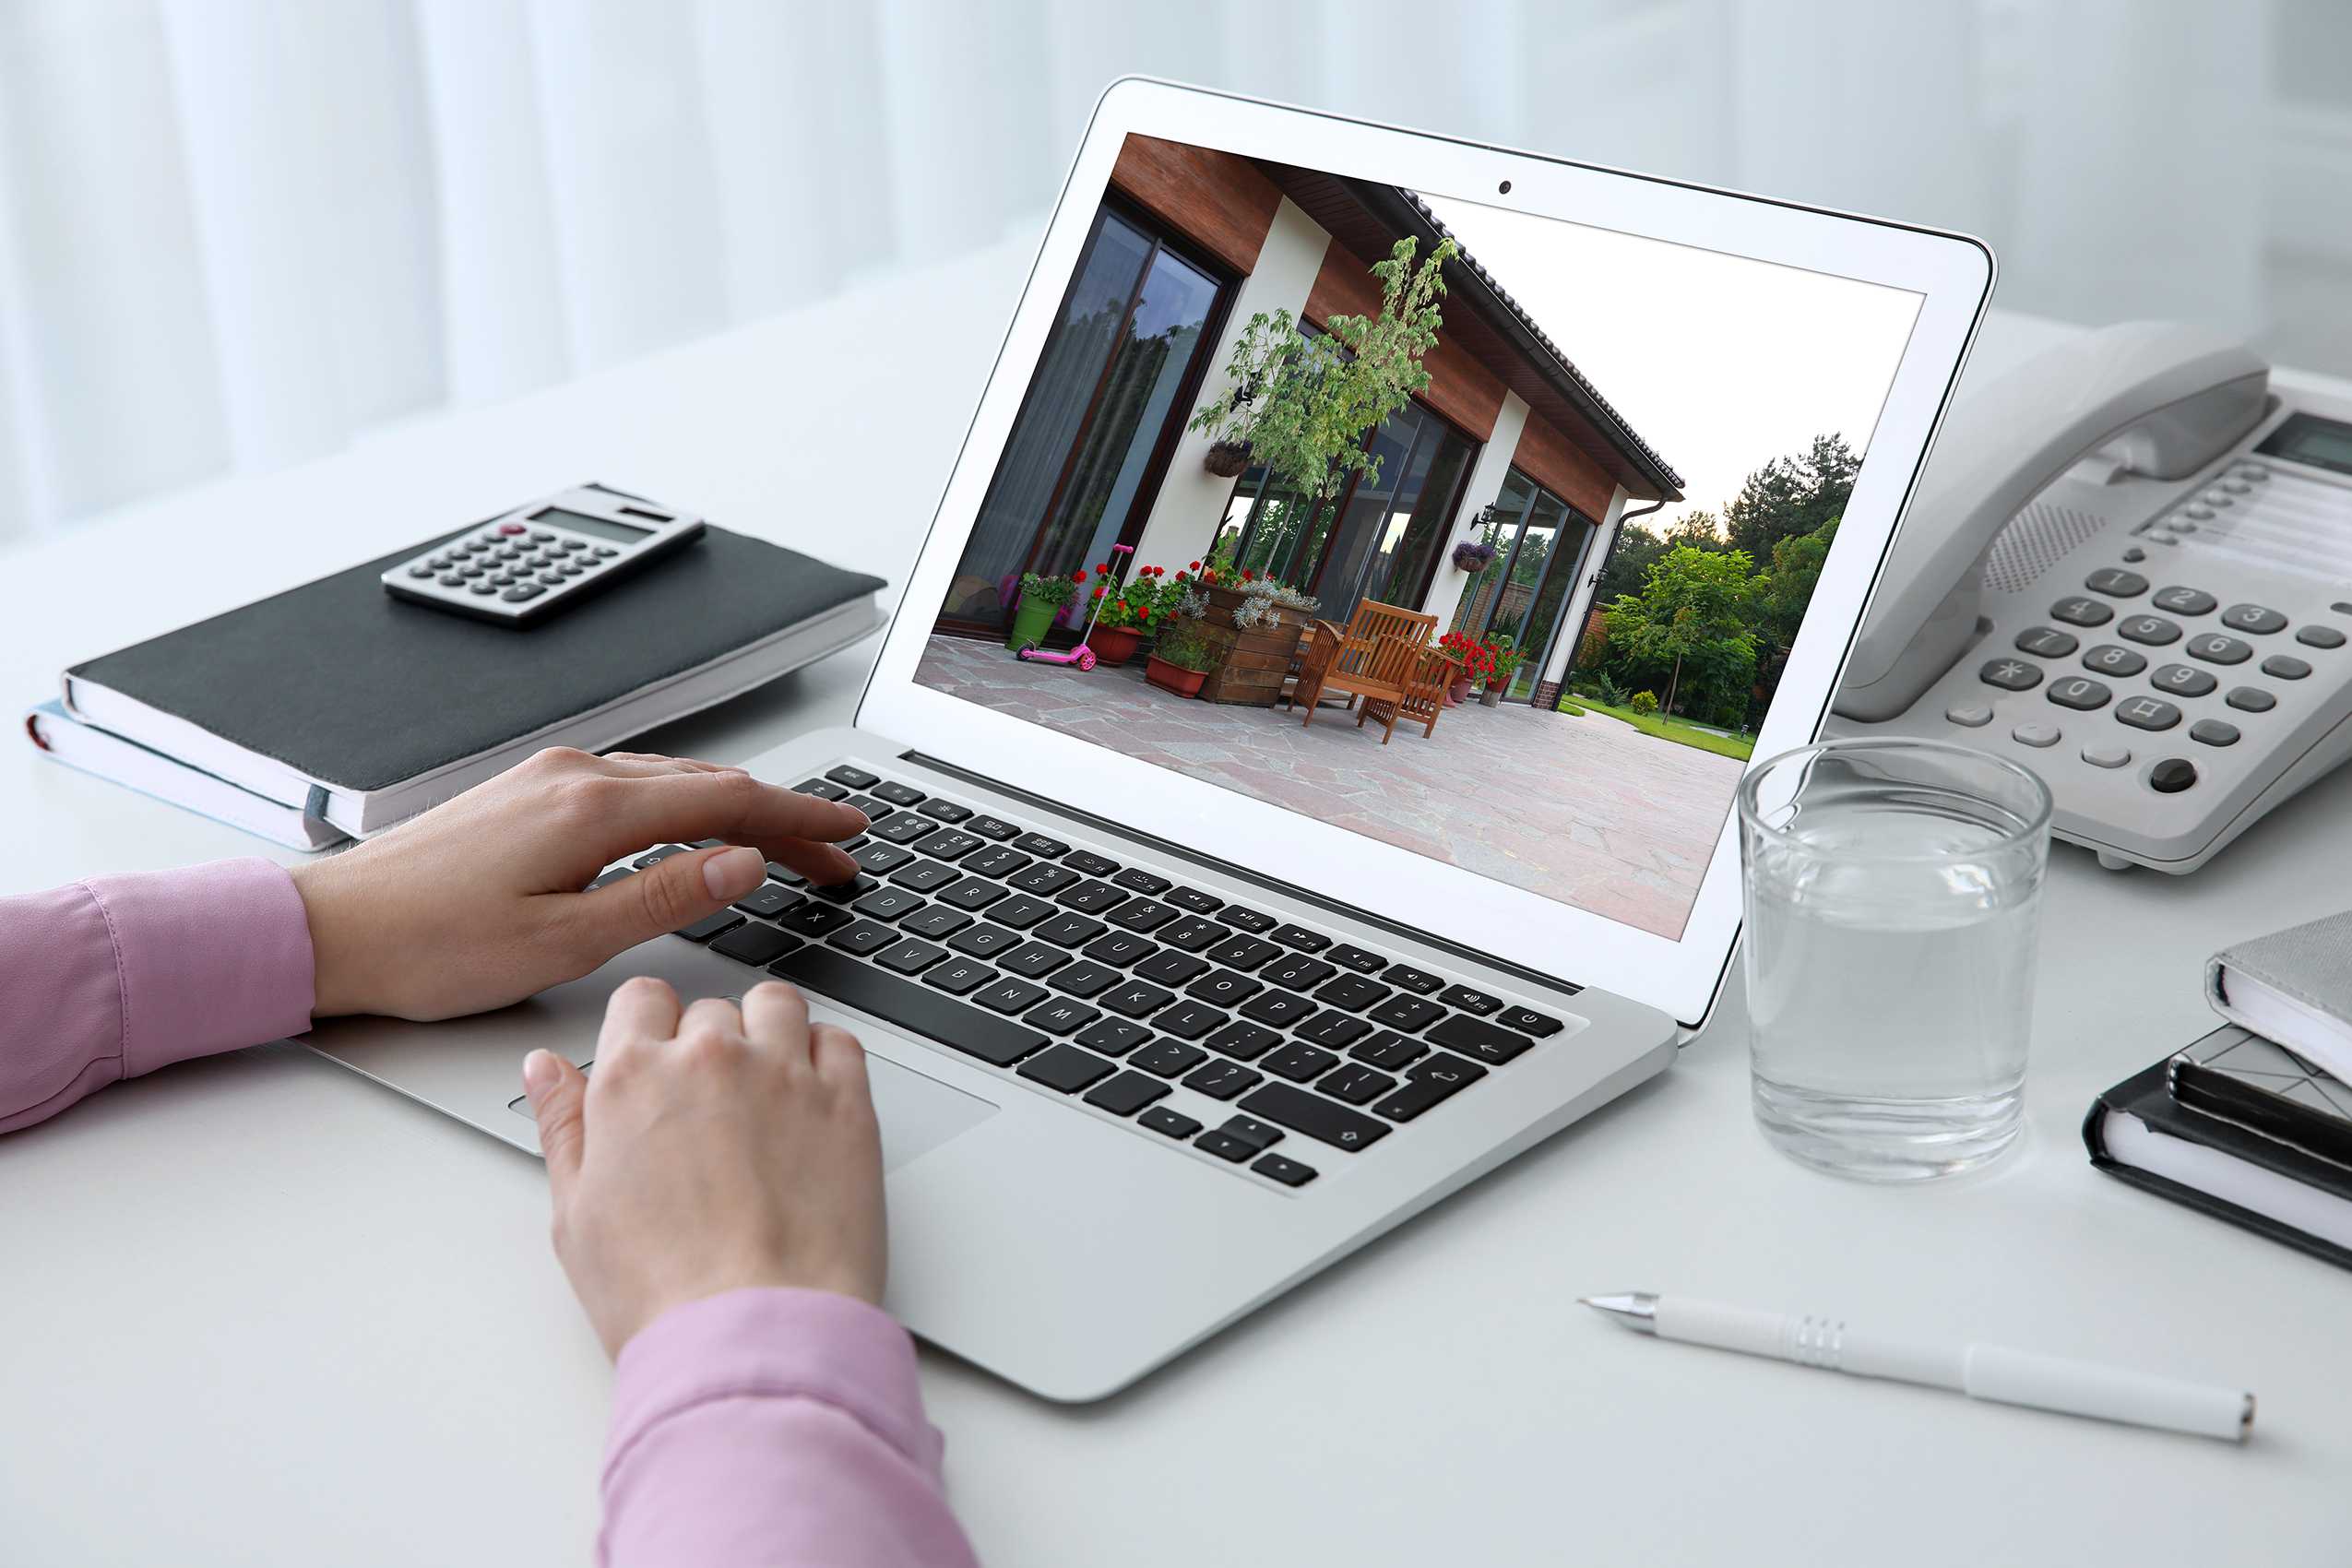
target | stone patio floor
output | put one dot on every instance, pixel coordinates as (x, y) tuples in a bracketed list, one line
[(1587, 810)]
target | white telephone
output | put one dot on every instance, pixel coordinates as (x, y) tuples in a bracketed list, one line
[(2128, 567)]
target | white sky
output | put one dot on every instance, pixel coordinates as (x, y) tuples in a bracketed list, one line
[(1720, 363)]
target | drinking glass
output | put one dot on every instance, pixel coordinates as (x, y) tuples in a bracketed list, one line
[(1893, 889)]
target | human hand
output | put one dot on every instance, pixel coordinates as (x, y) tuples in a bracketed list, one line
[(478, 903), (711, 1149)]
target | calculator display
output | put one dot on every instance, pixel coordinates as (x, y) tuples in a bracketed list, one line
[(578, 523)]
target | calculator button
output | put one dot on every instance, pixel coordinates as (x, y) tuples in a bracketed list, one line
[(2079, 612), (2037, 734), (421, 571), (508, 554), (2153, 630), (502, 580), (2172, 775), (2214, 649), (469, 573), (575, 544), (2285, 666), (605, 552), (1974, 715), (512, 530), (2010, 675), (2184, 601), (569, 570), (482, 588), (2147, 713), (2109, 659), (2254, 618), (590, 565), (2077, 694), (2319, 636), (2106, 753), (522, 592), (2182, 681), (541, 535), (2046, 642), (2214, 732), (451, 579), (2252, 699), (550, 580), (2116, 583)]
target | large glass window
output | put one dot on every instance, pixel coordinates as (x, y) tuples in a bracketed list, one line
[(1105, 393), (1540, 543)]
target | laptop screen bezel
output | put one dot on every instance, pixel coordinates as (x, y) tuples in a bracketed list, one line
[(1953, 274)]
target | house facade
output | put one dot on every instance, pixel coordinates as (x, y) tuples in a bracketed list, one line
[(1508, 444)]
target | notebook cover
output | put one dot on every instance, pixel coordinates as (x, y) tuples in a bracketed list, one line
[(343, 682), (2144, 1094), (2237, 1075), (2312, 963)]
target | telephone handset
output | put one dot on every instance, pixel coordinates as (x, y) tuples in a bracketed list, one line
[(2127, 568)]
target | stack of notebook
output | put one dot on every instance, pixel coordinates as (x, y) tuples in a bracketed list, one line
[(335, 709), (2252, 1124)]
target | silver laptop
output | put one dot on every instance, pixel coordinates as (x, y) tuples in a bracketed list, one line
[(1172, 1000)]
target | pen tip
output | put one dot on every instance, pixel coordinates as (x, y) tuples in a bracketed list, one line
[(1635, 1309)]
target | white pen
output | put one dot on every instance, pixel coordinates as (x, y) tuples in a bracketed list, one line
[(1982, 1372)]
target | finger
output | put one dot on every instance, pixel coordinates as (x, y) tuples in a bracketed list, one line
[(671, 763), (666, 896), (822, 864), (840, 1059), (558, 1094), (640, 1010), (776, 1017), (710, 1016), (622, 814)]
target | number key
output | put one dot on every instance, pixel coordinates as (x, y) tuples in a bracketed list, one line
[(2184, 601), (2152, 630), (2254, 618), (2046, 642)]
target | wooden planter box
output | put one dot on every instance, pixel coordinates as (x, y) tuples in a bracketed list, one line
[(1252, 661)]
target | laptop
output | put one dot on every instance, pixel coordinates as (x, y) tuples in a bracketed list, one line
[(1172, 1000)]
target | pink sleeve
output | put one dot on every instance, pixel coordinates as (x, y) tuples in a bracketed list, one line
[(774, 1426), (116, 976)]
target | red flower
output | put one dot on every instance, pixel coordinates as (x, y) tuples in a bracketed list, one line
[(1197, 566), (1077, 577)]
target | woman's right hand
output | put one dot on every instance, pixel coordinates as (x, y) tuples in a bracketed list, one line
[(710, 1149)]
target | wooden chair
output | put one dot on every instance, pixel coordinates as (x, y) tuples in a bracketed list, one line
[(1361, 641), (1324, 641), (1412, 679)]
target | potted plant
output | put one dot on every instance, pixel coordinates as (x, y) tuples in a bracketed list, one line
[(1181, 658), (1043, 601), (1121, 612), (1472, 658), (1252, 625), (1503, 662), (1473, 556)]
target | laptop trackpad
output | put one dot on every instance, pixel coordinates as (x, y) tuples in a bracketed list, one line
[(918, 1114)]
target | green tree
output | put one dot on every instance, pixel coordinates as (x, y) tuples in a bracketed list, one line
[(1635, 551), (1694, 611), (1787, 590), (1789, 497), (1696, 530)]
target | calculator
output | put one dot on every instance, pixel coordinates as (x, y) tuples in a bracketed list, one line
[(525, 565)]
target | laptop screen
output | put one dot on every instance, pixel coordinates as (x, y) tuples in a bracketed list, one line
[(1478, 534)]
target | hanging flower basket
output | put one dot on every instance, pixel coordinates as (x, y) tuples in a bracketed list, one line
[(1226, 459), (1473, 557)]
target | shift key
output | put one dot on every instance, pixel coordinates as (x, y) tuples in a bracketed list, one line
[(1316, 1116)]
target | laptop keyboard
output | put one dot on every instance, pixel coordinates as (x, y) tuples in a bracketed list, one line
[(1115, 985)]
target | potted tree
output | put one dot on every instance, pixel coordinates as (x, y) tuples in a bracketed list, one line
[(1043, 601)]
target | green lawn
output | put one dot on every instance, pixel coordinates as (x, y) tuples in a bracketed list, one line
[(1668, 729)]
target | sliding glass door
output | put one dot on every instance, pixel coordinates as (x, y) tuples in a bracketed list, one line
[(1540, 543)]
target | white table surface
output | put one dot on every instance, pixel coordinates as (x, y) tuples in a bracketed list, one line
[(256, 1310)]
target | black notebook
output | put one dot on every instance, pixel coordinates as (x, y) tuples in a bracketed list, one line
[(338, 699)]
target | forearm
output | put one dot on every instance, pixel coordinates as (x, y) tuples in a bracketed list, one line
[(115, 976), (774, 1426)]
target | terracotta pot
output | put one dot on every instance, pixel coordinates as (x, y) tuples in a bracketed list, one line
[(1459, 692), (1227, 459), (1113, 645), (1174, 678)]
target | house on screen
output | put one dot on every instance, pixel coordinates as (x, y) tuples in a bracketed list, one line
[(1508, 444)]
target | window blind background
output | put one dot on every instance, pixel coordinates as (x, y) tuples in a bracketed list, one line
[(236, 234)]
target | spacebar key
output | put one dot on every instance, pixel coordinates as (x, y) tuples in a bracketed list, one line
[(1316, 1116), (908, 1005)]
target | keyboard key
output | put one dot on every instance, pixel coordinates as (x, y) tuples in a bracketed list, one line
[(855, 777), (1135, 999), (1473, 1037), (1192, 898), (1134, 879), (1290, 1173), (821, 789), (924, 876), (1224, 988), (946, 811), (1243, 1043), (1278, 1008), (881, 860), (1353, 993), (1431, 1082), (848, 892), (1247, 919), (985, 941), (904, 828), (1089, 864), (1143, 914), (959, 975), (1223, 1080), (2254, 618), (1420, 982), (759, 945), (1530, 1022), (1408, 1013), (874, 810), (997, 861), (1301, 1063), (1170, 1124), (936, 922), (1298, 974), (1032, 960), (993, 829), (1043, 879), (1066, 1068), (1357, 1086), (1129, 1092), (1020, 911), (786, 875), (768, 902), (1060, 1015), (1192, 933), (1090, 897), (888, 903), (948, 843), (1189, 1020), (1337, 1030), (897, 794), (1171, 969), (1225, 1145), (1316, 1117), (864, 937), (1357, 958), (1069, 930), (1469, 1001), (1250, 1131), (1084, 979), (971, 893), (1038, 844), (1389, 1050), (654, 857), (908, 1005), (1302, 938), (1009, 995), (1243, 953), (1167, 1057), (1113, 1036), (1120, 949), (816, 920), (909, 957)]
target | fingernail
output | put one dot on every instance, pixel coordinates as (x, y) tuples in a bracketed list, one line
[(540, 1075), (730, 873), (865, 821)]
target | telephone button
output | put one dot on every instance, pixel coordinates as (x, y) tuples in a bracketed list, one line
[(1974, 715), (2106, 753), (2219, 497), (2116, 583), (2010, 674), (2185, 600), (2319, 636), (2046, 642), (2036, 734), (2077, 694), (2182, 681), (2252, 699), (2153, 630), (2254, 618), (2148, 713), (2109, 659), (2172, 775), (2214, 732), (2214, 649), (2135, 554), (2286, 667), (2079, 611)]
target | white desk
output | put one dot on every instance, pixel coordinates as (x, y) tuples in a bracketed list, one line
[(254, 1311)]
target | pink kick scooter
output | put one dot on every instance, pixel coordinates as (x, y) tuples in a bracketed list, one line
[(1082, 656)]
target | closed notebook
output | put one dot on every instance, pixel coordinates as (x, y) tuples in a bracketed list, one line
[(338, 700), (2294, 986)]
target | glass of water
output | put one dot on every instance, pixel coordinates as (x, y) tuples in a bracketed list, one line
[(1893, 889)]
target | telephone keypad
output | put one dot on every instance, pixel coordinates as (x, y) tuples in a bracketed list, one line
[(2152, 630), (2148, 713), (2080, 695), (2185, 600), (2046, 642), (2214, 649), (2252, 699), (2254, 618), (2116, 583), (2172, 775), (2214, 732), (2079, 611), (2286, 667), (2183, 681), (2010, 674), (2109, 659)]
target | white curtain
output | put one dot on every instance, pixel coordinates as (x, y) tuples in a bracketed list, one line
[(236, 234)]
